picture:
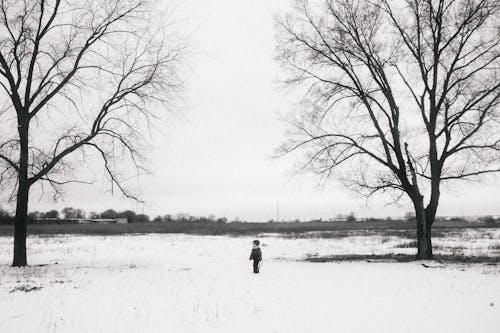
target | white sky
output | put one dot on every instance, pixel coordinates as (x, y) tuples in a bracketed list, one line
[(214, 156)]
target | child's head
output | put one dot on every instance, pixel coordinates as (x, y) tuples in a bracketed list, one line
[(256, 242)]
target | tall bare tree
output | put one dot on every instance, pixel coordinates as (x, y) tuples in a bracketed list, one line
[(402, 95), (77, 76)]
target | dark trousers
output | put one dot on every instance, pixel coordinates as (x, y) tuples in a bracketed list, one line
[(256, 266)]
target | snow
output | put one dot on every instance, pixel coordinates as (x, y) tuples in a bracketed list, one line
[(479, 242), (184, 283)]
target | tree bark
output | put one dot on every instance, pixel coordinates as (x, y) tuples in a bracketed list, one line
[(424, 243), (20, 227)]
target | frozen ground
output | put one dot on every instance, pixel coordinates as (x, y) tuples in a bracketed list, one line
[(180, 283)]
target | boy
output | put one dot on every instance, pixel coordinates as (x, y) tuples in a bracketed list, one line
[(256, 255)]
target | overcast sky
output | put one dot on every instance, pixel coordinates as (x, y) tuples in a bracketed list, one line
[(215, 155)]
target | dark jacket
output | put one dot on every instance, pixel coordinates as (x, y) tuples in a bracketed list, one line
[(256, 254)]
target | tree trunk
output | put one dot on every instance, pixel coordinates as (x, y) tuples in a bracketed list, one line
[(424, 244), (20, 227)]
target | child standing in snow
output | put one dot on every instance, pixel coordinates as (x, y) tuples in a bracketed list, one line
[(256, 255)]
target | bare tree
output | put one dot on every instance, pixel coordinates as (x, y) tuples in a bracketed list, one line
[(78, 77), (402, 95), (73, 213)]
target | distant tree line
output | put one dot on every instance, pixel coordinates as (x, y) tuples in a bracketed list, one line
[(189, 218), (408, 217), (130, 215), (70, 213)]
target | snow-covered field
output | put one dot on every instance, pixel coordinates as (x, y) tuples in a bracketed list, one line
[(183, 283)]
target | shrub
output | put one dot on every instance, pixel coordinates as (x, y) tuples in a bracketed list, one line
[(6, 217), (406, 245)]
